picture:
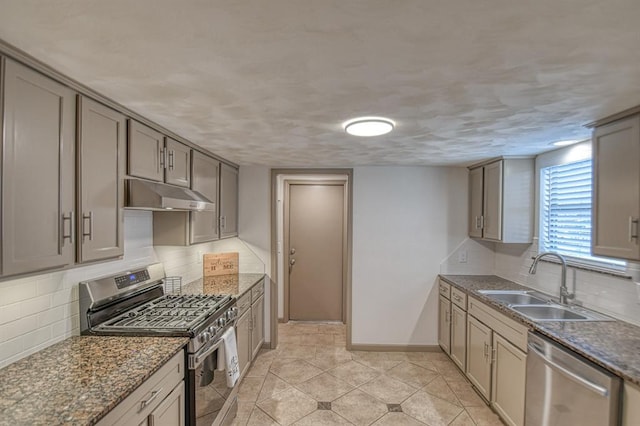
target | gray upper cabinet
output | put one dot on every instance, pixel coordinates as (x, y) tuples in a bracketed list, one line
[(146, 154), (178, 163), (228, 201), (101, 160), (501, 200), (204, 179), (616, 189), (38, 172)]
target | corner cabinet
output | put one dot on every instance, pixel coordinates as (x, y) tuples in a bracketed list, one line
[(228, 201), (38, 172), (501, 199), (101, 159), (616, 189), (204, 178)]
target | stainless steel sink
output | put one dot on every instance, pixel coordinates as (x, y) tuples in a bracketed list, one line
[(515, 297), (557, 313)]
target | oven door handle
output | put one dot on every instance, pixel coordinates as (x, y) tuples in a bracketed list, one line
[(196, 359)]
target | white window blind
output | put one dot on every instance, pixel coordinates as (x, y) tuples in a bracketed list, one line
[(565, 226)]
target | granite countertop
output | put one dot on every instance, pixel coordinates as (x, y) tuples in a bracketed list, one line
[(234, 285), (79, 380), (613, 345)]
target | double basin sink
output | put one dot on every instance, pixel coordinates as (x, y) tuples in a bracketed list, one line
[(539, 307)]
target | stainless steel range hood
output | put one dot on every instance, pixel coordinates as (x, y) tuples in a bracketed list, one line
[(145, 195)]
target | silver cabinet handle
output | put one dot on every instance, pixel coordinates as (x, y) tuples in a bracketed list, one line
[(494, 355), (171, 159), (163, 153), (90, 233), (458, 298), (486, 350), (70, 236), (600, 390), (633, 235), (153, 396)]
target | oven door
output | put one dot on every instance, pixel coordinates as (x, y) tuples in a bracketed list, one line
[(211, 401)]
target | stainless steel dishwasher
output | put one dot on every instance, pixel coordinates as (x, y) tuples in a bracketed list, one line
[(565, 389)]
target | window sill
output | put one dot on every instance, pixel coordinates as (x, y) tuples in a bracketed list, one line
[(618, 273)]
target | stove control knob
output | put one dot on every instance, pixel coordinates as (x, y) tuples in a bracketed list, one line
[(213, 330), (229, 314), (205, 337), (221, 322)]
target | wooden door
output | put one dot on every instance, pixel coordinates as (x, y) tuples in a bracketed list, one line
[(243, 340), (492, 202), (444, 324), (315, 217), (38, 172), (257, 326), (458, 336), (146, 157), (479, 356), (508, 381), (101, 162), (475, 202), (178, 170), (616, 190), (228, 201), (204, 179), (171, 410)]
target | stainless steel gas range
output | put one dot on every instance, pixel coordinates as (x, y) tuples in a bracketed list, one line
[(134, 303)]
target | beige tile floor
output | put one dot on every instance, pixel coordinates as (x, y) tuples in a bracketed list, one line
[(311, 379)]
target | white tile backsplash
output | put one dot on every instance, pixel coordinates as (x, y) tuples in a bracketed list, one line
[(38, 311)]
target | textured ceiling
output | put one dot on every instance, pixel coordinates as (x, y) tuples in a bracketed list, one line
[(270, 82)]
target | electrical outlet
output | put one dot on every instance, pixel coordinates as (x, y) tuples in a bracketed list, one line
[(462, 256)]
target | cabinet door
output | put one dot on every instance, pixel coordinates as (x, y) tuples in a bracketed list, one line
[(38, 172), (257, 326), (475, 202), (243, 338), (479, 356), (492, 202), (170, 412), (101, 159), (459, 336), (630, 405), (204, 225), (616, 189), (178, 170), (228, 201), (444, 324), (146, 152), (508, 381)]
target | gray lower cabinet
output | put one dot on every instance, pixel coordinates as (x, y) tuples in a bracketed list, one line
[(257, 325), (479, 356), (458, 336), (146, 157), (444, 324), (38, 172), (228, 201), (178, 163), (171, 411), (508, 381), (243, 339), (204, 176), (101, 159)]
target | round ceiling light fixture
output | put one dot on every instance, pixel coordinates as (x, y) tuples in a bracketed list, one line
[(369, 126)]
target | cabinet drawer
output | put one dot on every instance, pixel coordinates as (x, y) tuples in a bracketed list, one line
[(511, 330), (244, 303), (459, 297), (257, 291), (137, 406), (445, 289)]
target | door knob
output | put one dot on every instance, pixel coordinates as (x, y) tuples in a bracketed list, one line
[(292, 251), (292, 262)]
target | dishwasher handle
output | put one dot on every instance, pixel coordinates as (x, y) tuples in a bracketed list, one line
[(600, 390)]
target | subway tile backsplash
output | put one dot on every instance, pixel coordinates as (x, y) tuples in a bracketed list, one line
[(38, 311)]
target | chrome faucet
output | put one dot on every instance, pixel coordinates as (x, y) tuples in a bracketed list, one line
[(565, 296)]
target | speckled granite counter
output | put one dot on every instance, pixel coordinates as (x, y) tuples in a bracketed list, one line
[(614, 345), (234, 285), (79, 380)]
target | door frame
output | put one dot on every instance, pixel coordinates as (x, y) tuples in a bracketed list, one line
[(286, 177)]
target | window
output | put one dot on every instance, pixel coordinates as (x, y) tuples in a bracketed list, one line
[(565, 214)]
